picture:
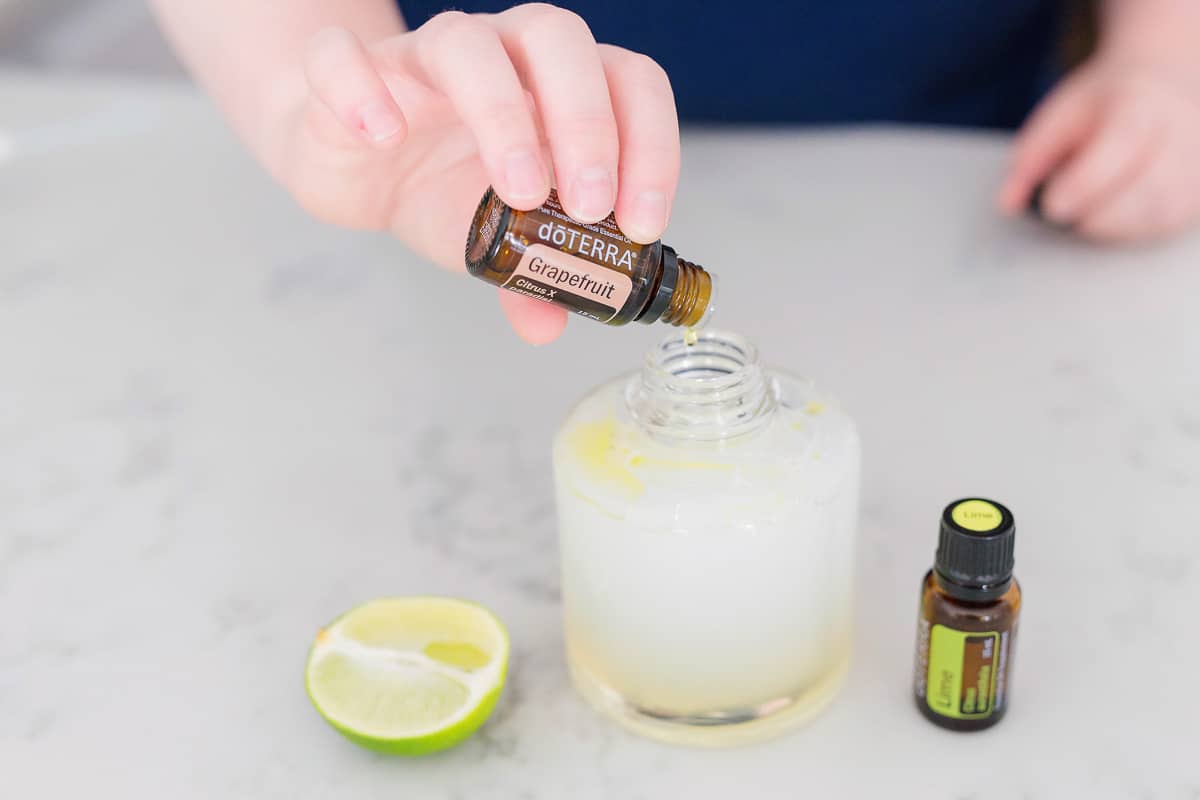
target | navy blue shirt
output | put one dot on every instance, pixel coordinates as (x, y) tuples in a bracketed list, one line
[(951, 62)]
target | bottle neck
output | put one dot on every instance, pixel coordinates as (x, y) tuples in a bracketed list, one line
[(710, 390), (971, 594), (693, 299), (685, 294)]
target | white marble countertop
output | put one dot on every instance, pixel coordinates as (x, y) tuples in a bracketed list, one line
[(222, 424)]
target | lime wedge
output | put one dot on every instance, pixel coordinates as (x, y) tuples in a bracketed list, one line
[(408, 675)]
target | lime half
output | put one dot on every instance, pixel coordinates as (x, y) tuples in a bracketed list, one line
[(408, 675)]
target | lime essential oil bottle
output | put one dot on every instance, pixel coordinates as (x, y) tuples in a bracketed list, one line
[(968, 619)]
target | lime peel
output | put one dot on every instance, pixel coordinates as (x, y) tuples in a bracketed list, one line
[(418, 687)]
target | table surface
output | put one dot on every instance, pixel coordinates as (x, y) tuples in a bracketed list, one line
[(222, 424)]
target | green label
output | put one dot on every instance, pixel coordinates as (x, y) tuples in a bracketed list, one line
[(962, 673)]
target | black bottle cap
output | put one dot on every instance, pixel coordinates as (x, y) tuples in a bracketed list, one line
[(486, 234), (1037, 200), (666, 287), (975, 548), (1037, 207)]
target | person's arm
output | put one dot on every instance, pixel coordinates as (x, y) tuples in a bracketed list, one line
[(250, 56), (1118, 143)]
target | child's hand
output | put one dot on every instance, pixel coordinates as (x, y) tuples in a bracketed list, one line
[(405, 134), (1119, 144)]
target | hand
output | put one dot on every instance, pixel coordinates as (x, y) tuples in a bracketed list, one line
[(1119, 143), (407, 133)]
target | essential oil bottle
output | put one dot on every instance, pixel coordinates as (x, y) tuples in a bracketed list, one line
[(968, 618), (593, 270)]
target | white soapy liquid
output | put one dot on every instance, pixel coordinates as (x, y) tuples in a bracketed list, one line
[(704, 579)]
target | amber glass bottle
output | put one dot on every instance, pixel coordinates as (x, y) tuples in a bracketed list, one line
[(968, 619), (593, 270)]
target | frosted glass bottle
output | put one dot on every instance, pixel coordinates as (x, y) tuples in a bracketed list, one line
[(707, 519)]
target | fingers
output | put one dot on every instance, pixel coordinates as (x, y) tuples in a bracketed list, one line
[(348, 90), (648, 133), (1125, 140), (534, 321), (554, 53), (1130, 173), (608, 114), (1159, 198), (463, 57), (1056, 128)]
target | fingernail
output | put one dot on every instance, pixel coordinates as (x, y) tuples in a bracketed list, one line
[(380, 122), (592, 194), (524, 176), (648, 216)]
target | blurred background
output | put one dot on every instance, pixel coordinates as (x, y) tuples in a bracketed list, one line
[(120, 36), (114, 36)]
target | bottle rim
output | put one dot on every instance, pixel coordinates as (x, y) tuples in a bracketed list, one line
[(711, 389)]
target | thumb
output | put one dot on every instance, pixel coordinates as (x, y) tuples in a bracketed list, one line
[(1058, 125), (348, 97)]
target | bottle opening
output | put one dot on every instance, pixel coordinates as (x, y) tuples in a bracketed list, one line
[(711, 389), (694, 297), (711, 307)]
